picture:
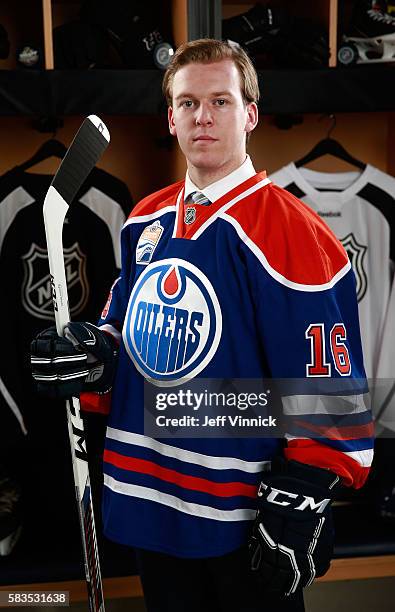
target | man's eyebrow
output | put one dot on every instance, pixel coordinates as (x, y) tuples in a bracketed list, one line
[(218, 94), (184, 95), (215, 94)]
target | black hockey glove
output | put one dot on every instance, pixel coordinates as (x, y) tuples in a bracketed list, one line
[(84, 360), (292, 536)]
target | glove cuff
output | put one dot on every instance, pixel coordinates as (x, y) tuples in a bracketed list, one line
[(309, 473)]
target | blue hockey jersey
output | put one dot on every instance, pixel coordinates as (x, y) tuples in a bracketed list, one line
[(257, 287)]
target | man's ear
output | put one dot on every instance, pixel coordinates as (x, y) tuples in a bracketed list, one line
[(170, 117), (252, 117)]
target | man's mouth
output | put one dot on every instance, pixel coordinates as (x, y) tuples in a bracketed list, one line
[(204, 138)]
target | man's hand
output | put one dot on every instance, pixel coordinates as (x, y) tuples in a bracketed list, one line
[(84, 360), (292, 536)]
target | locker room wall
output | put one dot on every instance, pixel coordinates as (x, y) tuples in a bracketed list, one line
[(135, 157), (134, 154)]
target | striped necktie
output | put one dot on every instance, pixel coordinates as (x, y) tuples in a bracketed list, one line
[(198, 198)]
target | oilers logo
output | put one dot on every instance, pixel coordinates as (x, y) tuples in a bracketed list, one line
[(173, 322)]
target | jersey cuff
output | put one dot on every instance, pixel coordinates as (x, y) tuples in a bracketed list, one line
[(94, 402), (307, 451)]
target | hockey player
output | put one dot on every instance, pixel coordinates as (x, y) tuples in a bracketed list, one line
[(224, 275)]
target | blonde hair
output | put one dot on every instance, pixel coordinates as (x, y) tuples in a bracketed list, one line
[(207, 51)]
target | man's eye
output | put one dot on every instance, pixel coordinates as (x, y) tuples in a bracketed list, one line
[(187, 103), (220, 102)]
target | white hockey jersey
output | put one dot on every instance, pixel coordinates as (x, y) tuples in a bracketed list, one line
[(360, 209)]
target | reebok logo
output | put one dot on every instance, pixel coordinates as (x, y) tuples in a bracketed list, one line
[(330, 213)]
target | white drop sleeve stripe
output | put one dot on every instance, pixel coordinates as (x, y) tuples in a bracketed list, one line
[(323, 404), (111, 330), (363, 457)]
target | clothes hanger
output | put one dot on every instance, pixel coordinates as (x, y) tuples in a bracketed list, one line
[(329, 146), (50, 148)]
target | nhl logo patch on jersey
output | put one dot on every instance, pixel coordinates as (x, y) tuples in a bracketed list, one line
[(190, 215), (148, 242)]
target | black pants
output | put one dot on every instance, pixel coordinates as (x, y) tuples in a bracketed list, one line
[(217, 584)]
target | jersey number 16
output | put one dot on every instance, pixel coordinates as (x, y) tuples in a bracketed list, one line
[(318, 365)]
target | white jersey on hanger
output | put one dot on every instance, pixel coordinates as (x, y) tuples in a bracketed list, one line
[(359, 207)]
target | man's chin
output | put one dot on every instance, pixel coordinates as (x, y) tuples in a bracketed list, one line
[(206, 161)]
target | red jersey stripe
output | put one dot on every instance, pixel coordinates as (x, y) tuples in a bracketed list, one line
[(351, 432), (142, 466)]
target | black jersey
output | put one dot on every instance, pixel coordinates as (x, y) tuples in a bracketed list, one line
[(92, 257)]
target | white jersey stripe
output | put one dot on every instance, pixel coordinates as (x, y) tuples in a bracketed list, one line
[(10, 207), (112, 330), (221, 211), (363, 457), (276, 275), (110, 212), (323, 404), (178, 212), (13, 406), (154, 215), (209, 461), (196, 510)]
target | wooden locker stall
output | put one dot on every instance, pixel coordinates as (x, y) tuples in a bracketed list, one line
[(142, 154)]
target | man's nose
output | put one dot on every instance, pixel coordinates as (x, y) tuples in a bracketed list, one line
[(204, 115)]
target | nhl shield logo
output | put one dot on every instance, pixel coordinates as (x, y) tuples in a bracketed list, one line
[(190, 215), (37, 290), (356, 254)]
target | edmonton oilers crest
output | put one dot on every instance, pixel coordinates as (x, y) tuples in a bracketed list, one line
[(173, 322)]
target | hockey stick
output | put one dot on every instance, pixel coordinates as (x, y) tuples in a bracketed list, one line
[(89, 143)]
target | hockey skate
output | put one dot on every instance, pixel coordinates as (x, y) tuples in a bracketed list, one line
[(372, 34)]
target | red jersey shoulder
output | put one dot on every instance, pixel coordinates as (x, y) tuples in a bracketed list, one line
[(294, 240), (157, 200)]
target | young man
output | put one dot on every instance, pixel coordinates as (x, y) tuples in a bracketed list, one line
[(224, 275)]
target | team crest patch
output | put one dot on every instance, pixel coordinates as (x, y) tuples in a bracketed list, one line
[(173, 323), (37, 289), (356, 253), (190, 215), (148, 242)]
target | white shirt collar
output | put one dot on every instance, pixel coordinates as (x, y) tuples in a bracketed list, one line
[(216, 190)]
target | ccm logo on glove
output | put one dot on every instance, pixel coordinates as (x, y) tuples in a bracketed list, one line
[(292, 537), (274, 497)]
